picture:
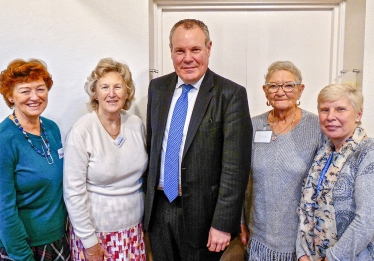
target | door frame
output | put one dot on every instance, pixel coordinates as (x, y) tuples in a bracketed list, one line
[(157, 7)]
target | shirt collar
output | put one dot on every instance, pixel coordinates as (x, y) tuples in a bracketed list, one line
[(195, 85)]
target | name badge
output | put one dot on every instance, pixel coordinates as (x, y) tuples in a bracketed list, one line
[(263, 136), (60, 153), (119, 141)]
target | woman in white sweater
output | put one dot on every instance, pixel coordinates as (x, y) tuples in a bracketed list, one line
[(105, 158)]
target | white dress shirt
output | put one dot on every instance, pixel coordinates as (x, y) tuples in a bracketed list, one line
[(192, 95)]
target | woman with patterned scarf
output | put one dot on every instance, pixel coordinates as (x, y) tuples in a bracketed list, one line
[(337, 203)]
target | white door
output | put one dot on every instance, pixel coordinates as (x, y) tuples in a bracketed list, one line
[(246, 40)]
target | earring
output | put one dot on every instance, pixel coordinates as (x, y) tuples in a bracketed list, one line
[(298, 103), (267, 103)]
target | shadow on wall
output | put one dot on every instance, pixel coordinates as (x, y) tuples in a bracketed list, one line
[(139, 107)]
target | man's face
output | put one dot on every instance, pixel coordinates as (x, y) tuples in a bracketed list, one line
[(189, 53)]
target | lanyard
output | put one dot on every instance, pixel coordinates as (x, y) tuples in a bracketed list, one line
[(323, 174)]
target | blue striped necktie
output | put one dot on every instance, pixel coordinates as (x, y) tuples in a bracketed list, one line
[(171, 168)]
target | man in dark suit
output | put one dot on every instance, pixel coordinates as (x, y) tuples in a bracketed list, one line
[(213, 160)]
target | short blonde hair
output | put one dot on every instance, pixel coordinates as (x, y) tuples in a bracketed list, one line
[(104, 66), (334, 92), (285, 66)]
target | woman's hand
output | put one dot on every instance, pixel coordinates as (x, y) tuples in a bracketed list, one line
[(304, 258), (96, 253), (244, 235)]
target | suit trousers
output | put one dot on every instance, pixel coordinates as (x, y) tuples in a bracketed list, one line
[(167, 234)]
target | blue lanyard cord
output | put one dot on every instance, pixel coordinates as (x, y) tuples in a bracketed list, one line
[(323, 174)]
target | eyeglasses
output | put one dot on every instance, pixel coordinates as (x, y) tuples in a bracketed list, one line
[(286, 87)]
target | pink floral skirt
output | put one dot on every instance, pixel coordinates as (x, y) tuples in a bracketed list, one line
[(127, 245)]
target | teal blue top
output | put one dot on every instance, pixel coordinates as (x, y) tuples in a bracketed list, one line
[(32, 210)]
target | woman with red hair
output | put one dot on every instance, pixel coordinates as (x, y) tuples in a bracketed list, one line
[(33, 214)]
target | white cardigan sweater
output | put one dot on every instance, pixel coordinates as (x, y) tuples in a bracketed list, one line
[(102, 181)]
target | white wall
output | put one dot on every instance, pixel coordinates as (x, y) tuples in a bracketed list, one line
[(368, 71), (354, 36), (71, 36), (244, 48)]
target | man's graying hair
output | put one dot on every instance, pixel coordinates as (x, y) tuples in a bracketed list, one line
[(190, 24)]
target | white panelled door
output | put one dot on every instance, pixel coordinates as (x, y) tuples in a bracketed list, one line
[(248, 38)]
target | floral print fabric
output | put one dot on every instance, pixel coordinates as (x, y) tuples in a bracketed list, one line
[(127, 245)]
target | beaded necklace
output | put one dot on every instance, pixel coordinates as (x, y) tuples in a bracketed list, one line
[(46, 141)]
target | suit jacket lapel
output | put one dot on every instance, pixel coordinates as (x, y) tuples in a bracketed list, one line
[(164, 98), (201, 104)]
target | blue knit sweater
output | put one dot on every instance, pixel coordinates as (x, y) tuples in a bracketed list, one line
[(31, 204)]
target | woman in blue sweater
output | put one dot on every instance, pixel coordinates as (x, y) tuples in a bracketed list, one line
[(33, 214), (336, 207)]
